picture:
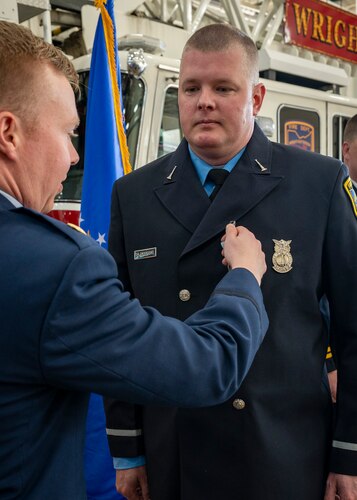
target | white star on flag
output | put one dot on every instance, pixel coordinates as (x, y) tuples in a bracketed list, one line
[(101, 239)]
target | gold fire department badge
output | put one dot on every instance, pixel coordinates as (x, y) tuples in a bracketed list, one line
[(282, 258)]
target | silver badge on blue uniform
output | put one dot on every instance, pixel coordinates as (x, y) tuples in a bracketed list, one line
[(282, 258)]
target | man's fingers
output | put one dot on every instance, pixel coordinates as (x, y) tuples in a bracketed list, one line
[(231, 230), (132, 483), (330, 491), (242, 249)]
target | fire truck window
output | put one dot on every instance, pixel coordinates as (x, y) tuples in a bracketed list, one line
[(133, 97), (170, 130), (133, 91), (338, 126), (299, 127)]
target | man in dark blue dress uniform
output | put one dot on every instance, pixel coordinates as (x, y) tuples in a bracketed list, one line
[(273, 440)]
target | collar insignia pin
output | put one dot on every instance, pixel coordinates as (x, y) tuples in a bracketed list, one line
[(263, 169), (282, 258), (169, 177)]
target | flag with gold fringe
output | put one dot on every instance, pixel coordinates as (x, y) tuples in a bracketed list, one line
[(106, 158)]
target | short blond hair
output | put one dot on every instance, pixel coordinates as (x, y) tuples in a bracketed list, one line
[(21, 56), (350, 132), (219, 37)]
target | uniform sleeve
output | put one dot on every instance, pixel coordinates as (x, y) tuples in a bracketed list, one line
[(124, 420), (124, 428), (330, 363), (325, 312), (341, 275), (96, 339)]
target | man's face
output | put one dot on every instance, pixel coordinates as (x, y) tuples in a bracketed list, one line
[(349, 150), (217, 102), (46, 151)]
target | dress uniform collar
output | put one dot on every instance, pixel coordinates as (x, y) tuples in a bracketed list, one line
[(174, 193), (246, 186), (202, 167), (10, 199)]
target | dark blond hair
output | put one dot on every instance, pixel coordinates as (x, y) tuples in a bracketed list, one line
[(21, 56), (350, 131), (220, 37)]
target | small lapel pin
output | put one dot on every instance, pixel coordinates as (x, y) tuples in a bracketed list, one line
[(263, 169), (169, 177)]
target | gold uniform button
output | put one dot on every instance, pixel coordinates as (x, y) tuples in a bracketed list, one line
[(239, 404), (184, 295)]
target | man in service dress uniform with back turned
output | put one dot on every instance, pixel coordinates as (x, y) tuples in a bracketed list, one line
[(274, 439)]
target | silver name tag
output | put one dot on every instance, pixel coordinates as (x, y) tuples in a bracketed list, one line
[(145, 253)]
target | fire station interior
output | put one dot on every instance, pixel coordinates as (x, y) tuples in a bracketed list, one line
[(306, 88)]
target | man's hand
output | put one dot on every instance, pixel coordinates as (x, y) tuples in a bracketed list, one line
[(242, 249), (341, 487), (133, 483)]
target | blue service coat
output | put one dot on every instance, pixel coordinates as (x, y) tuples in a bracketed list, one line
[(276, 445), (67, 329)]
